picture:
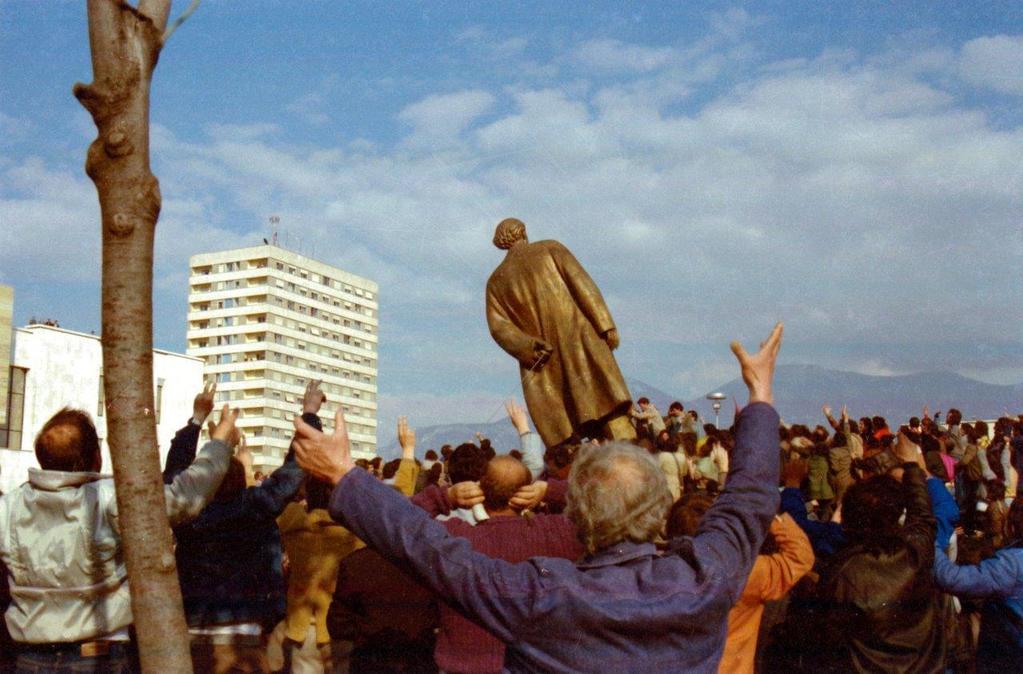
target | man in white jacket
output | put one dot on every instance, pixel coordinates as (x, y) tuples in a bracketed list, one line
[(60, 540)]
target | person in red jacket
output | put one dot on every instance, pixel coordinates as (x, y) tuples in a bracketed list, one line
[(462, 646)]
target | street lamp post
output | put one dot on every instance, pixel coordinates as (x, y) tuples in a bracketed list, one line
[(715, 399)]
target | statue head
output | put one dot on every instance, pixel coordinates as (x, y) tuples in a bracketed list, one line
[(509, 232)]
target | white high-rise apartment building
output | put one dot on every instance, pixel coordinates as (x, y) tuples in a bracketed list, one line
[(266, 321)]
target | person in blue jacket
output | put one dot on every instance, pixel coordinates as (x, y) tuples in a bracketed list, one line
[(230, 558), (999, 580)]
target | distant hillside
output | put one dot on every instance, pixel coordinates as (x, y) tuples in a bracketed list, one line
[(799, 391), (500, 432), (641, 389)]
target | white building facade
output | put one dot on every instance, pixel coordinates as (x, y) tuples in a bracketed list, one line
[(266, 321), (54, 368)]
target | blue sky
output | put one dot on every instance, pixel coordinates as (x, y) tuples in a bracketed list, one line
[(850, 167)]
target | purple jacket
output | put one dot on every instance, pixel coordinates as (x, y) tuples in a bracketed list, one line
[(626, 608)]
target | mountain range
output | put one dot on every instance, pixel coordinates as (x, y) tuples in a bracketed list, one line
[(799, 392)]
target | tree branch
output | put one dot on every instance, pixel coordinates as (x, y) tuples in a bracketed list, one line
[(156, 11), (181, 19)]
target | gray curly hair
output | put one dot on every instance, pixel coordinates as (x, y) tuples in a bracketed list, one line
[(616, 492), (508, 232)]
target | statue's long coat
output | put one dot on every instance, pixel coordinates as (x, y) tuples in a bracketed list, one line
[(540, 291)]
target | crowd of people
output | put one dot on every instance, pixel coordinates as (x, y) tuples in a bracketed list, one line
[(849, 546)]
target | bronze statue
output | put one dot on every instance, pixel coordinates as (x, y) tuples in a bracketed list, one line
[(546, 311)]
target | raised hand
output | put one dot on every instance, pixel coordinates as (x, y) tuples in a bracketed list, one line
[(517, 416), (313, 398), (244, 456), (845, 414), (328, 457), (225, 430), (907, 451), (406, 438), (203, 403), (826, 409), (758, 369)]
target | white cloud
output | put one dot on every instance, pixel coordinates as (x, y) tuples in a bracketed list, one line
[(877, 369), (51, 225), (495, 46), (241, 132), (309, 108), (994, 62), (733, 23), (440, 118), (838, 192), (615, 56), (14, 128)]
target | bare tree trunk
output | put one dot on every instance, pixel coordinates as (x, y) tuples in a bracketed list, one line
[(125, 44)]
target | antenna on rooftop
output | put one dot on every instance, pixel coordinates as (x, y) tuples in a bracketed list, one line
[(275, 220)]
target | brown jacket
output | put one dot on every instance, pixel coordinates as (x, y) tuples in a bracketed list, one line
[(541, 292)]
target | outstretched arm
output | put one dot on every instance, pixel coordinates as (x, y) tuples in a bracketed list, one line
[(920, 526), (774, 575), (532, 446), (182, 449), (730, 534), (999, 576), (832, 421), (408, 470), (274, 493), (190, 491)]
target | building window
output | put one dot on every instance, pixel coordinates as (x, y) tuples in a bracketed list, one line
[(11, 432), (101, 397), (159, 398)]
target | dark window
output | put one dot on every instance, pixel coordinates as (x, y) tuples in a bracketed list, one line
[(11, 432)]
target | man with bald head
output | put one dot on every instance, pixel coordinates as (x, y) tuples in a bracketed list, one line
[(462, 645), (505, 475)]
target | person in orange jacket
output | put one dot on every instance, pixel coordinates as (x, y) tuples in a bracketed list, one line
[(773, 575)]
